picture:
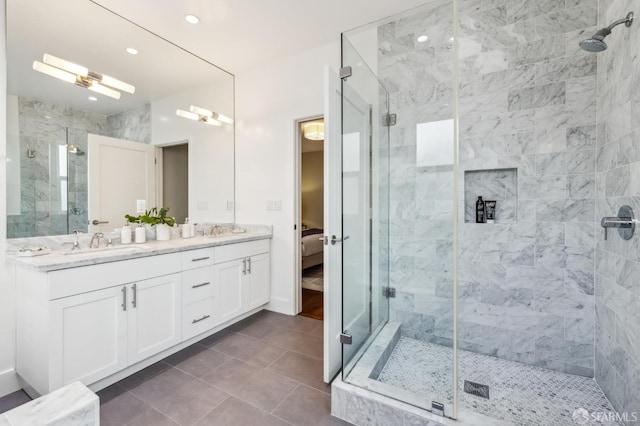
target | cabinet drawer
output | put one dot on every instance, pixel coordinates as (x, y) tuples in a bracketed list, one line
[(197, 318), (240, 250), (197, 258), (197, 284)]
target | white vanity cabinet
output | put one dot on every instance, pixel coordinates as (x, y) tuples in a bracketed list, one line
[(242, 276), (98, 323)]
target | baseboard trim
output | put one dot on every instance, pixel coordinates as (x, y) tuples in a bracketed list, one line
[(9, 382)]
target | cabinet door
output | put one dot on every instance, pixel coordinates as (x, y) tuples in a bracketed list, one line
[(257, 282), (154, 316), (88, 336), (229, 277)]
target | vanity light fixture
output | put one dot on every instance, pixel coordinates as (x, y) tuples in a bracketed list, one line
[(314, 131), (82, 76), (198, 117), (212, 114), (192, 19)]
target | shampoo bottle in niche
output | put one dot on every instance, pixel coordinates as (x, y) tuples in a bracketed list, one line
[(479, 210), (141, 233), (125, 234)]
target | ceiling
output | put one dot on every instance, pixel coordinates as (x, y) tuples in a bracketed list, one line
[(238, 35)]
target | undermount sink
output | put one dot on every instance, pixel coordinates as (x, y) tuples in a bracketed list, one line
[(119, 249)]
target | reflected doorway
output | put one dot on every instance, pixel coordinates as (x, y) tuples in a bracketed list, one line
[(175, 180)]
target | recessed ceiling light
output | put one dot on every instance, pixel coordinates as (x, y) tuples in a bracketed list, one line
[(192, 19), (132, 51), (451, 39), (422, 38), (93, 98)]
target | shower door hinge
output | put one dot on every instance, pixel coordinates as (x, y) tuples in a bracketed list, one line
[(345, 72), (389, 292), (346, 339), (389, 120)]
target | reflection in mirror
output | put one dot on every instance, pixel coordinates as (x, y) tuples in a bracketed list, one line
[(54, 108)]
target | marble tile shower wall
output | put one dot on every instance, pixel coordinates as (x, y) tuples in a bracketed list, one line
[(617, 341), (419, 79), (43, 127), (527, 100)]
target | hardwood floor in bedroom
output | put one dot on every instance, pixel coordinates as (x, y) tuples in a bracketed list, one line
[(312, 304)]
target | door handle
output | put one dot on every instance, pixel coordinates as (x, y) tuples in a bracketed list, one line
[(98, 222), (335, 239), (134, 301)]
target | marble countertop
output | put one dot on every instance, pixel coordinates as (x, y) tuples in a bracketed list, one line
[(64, 259)]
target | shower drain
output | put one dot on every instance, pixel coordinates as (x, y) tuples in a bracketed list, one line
[(476, 389)]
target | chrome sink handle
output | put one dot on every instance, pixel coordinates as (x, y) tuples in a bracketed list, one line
[(625, 222)]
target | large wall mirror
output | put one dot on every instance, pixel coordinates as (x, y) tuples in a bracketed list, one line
[(83, 148)]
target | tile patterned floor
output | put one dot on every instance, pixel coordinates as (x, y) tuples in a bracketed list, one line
[(265, 370), (519, 394)]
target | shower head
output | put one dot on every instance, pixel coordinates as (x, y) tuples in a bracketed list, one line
[(72, 149), (596, 43)]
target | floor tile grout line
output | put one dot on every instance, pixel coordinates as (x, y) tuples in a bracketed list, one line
[(277, 359), (216, 406), (285, 398), (140, 415)]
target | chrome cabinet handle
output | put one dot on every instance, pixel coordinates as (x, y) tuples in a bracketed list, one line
[(244, 266), (204, 317), (249, 263), (134, 301), (335, 239), (99, 222), (200, 285), (124, 298), (198, 259)]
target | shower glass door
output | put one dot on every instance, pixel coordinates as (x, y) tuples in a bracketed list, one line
[(365, 143)]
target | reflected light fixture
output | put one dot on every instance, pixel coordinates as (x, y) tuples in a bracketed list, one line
[(132, 50), (422, 38), (212, 114), (314, 131), (198, 117), (82, 76)]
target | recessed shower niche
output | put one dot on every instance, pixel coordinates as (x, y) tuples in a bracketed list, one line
[(499, 185)]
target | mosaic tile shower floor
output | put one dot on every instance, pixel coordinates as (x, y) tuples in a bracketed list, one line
[(519, 394)]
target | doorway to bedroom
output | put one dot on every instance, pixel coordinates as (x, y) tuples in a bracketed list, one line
[(311, 208)]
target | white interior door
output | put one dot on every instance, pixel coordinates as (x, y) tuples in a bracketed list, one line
[(332, 226), (120, 172)]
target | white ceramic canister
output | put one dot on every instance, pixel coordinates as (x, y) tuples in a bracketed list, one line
[(125, 234), (141, 234)]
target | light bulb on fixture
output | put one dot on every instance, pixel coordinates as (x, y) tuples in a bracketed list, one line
[(82, 76), (192, 19), (132, 51), (198, 117), (216, 116), (314, 131)]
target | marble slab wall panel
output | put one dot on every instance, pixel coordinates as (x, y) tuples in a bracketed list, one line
[(133, 124), (527, 101), (43, 127), (617, 272)]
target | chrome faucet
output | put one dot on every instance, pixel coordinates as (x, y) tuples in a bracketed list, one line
[(216, 230), (95, 240)]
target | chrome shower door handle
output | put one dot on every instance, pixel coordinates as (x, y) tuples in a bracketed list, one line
[(99, 222), (625, 222), (335, 239)]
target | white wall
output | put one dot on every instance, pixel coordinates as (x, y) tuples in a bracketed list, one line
[(8, 379), (268, 101), (13, 156)]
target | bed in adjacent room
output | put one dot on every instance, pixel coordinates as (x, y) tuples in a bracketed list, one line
[(312, 247)]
